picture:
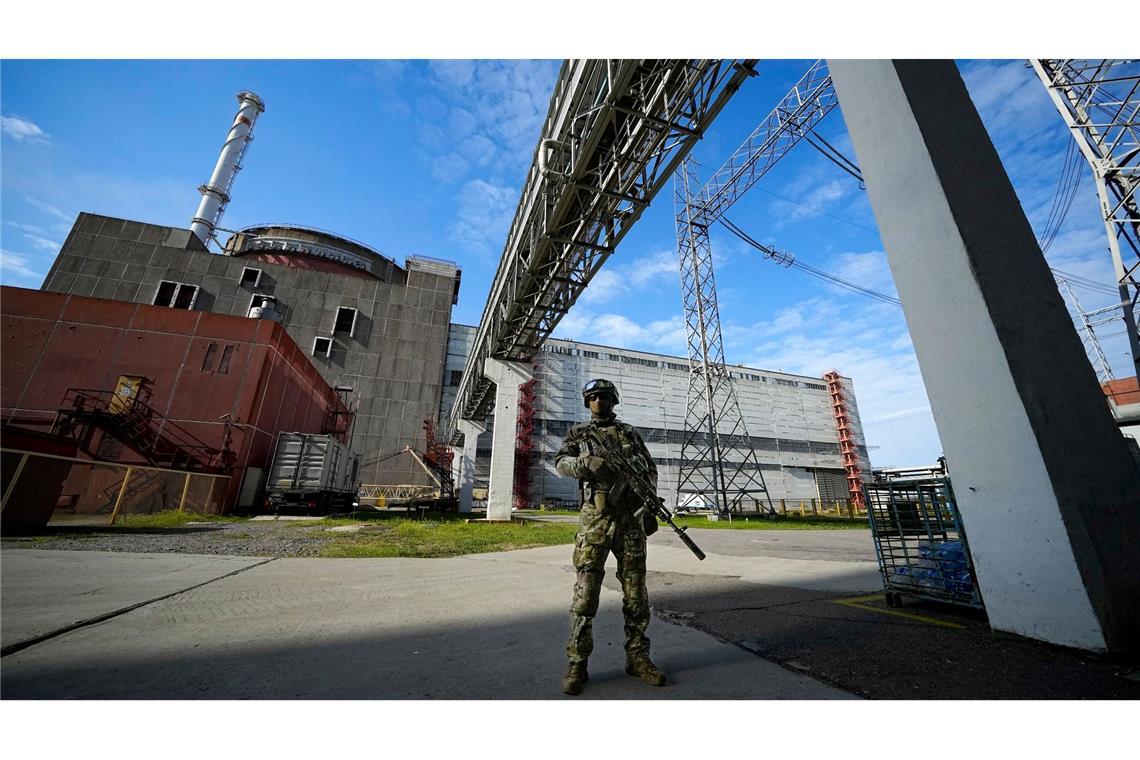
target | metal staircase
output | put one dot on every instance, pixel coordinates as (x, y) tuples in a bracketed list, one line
[(132, 422)]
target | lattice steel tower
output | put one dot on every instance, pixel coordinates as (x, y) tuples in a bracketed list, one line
[(714, 425), (717, 457), (1100, 101), (1087, 332)]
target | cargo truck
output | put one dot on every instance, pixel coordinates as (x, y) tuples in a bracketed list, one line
[(311, 472)]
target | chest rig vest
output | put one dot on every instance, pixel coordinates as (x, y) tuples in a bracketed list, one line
[(608, 493)]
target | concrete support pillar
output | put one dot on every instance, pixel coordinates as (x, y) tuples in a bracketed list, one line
[(465, 475), (1049, 496), (507, 377)]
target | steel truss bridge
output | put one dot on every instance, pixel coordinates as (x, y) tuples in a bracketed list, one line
[(615, 132)]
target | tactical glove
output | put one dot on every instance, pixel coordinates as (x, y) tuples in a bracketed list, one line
[(593, 468)]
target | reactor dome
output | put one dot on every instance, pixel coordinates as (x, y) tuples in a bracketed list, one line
[(309, 248)]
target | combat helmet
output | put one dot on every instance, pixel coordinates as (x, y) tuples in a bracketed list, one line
[(594, 387)]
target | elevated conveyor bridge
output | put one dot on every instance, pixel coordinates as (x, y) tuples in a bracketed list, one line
[(615, 132)]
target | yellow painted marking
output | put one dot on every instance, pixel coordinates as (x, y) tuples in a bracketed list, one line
[(859, 602)]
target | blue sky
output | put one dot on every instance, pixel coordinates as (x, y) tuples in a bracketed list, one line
[(427, 157)]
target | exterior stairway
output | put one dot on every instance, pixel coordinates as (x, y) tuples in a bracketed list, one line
[(160, 442)]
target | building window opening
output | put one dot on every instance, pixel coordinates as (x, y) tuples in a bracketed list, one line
[(250, 277), (322, 346), (224, 364), (165, 293), (208, 362), (186, 296), (456, 377), (345, 321), (175, 294)]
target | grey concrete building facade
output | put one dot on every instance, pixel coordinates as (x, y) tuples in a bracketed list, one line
[(366, 322), (789, 417)]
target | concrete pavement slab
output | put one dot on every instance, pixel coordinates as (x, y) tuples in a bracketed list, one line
[(45, 591), (764, 565), (489, 626)]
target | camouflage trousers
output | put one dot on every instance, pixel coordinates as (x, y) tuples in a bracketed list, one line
[(600, 531)]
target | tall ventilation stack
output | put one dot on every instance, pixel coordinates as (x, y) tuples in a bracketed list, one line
[(216, 192)]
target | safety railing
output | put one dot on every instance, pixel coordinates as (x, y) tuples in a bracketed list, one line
[(41, 488)]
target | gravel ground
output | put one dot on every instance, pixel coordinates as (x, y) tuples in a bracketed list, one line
[(255, 538)]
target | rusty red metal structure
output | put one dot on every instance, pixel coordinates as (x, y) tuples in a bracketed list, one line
[(84, 414), (439, 457), (216, 382), (524, 443), (846, 440)]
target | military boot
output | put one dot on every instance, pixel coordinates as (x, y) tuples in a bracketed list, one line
[(641, 666), (576, 676)]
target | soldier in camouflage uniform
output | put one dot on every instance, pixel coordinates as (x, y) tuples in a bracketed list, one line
[(607, 523)]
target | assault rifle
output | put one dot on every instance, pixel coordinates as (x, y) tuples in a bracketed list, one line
[(633, 473)]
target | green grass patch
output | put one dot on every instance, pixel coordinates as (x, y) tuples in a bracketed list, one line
[(755, 522), (451, 536), (171, 518), (548, 510), (381, 517)]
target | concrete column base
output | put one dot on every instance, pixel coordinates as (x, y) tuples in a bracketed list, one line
[(465, 476), (507, 377), (1048, 492)]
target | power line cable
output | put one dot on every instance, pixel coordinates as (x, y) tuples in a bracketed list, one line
[(835, 157), (1085, 282), (1067, 186), (787, 260), (816, 210)]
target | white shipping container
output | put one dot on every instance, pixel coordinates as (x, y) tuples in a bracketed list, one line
[(310, 463)]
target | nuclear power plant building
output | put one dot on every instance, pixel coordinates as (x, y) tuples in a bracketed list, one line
[(790, 418), (365, 322)]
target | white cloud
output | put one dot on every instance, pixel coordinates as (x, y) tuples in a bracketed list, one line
[(869, 270), (23, 130), (51, 210), (865, 341), (604, 287), (819, 199), (478, 149), (35, 229), (455, 73), (36, 235), (43, 243), (610, 329), (13, 264), (621, 278), (484, 216), (1009, 97), (449, 167), (487, 113), (655, 267)]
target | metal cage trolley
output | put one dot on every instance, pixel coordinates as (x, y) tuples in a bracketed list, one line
[(919, 540)]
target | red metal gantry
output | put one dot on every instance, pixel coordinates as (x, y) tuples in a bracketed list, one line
[(846, 441), (439, 456), (524, 443)]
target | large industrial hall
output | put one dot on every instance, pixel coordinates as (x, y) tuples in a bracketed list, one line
[(467, 379)]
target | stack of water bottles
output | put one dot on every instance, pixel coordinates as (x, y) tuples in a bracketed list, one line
[(942, 565)]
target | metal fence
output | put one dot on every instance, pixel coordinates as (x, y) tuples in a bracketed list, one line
[(43, 487)]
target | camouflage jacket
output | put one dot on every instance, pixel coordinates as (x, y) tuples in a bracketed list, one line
[(576, 450)]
